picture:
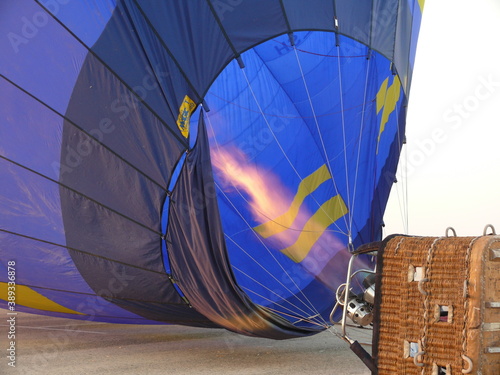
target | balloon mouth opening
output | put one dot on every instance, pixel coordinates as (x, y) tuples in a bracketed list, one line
[(285, 220)]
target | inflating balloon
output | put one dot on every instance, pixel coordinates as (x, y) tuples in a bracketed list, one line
[(204, 162)]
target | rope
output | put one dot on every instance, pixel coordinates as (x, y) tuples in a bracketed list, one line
[(401, 210), (407, 199), (286, 156), (291, 314), (404, 208), (268, 125), (300, 319), (291, 117), (259, 239), (320, 54), (263, 213), (426, 299), (400, 242), (359, 143), (323, 143), (341, 97), (265, 287), (311, 306)]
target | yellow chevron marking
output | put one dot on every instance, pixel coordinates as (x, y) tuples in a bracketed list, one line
[(382, 91), (327, 214), (387, 98), (306, 187), (26, 296)]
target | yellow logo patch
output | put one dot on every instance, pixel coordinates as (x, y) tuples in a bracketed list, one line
[(185, 110)]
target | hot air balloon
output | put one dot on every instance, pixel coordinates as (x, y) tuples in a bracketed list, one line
[(208, 163)]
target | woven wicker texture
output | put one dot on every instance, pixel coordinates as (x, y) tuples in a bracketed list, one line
[(411, 309)]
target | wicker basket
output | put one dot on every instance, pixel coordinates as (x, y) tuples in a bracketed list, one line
[(437, 306)]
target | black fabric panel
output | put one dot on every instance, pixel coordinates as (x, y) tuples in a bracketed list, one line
[(142, 292), (199, 259), (191, 34), (130, 48), (167, 313), (140, 285), (116, 161), (109, 112)]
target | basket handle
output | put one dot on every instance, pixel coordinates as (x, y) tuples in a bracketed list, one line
[(486, 229)]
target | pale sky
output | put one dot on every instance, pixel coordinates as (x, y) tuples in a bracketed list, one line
[(453, 124)]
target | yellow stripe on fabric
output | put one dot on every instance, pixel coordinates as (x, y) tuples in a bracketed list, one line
[(26, 296), (382, 91), (421, 3), (390, 100), (306, 187), (327, 214)]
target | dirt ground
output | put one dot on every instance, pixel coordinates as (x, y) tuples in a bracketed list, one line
[(45, 345)]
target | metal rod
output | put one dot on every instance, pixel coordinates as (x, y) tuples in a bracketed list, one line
[(346, 296)]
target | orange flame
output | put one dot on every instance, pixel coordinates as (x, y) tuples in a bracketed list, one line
[(268, 197)]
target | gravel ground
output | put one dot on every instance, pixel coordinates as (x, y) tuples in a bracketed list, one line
[(54, 346)]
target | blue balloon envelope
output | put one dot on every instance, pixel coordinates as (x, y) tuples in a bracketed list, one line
[(205, 163)]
